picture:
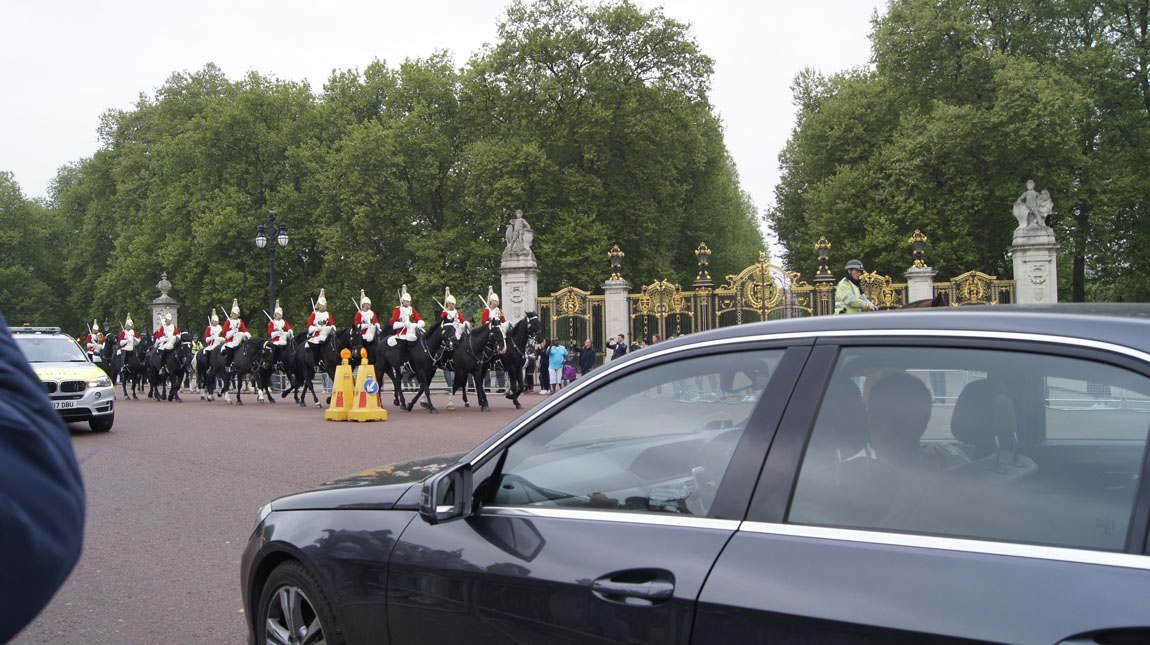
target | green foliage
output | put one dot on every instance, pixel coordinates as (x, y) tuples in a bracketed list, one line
[(593, 120), (965, 102)]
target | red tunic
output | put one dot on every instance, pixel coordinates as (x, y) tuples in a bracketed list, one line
[(487, 317), (458, 316), (272, 327), (359, 319), (311, 319), (395, 317)]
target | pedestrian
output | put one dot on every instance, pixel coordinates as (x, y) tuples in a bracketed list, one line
[(555, 357), (42, 514), (586, 358), (618, 347), (849, 298), (529, 371), (541, 360), (569, 364)]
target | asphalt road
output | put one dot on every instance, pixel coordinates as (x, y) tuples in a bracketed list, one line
[(173, 492)]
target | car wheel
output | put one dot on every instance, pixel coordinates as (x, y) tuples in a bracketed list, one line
[(293, 610), (101, 424)]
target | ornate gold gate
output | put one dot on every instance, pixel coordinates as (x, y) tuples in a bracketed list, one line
[(976, 288), (762, 291), (573, 315)]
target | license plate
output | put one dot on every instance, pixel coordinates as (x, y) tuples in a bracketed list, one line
[(59, 405)]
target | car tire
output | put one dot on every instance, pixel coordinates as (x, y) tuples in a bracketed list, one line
[(101, 424), (290, 586)]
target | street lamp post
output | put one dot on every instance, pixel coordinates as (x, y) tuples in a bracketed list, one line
[(269, 235)]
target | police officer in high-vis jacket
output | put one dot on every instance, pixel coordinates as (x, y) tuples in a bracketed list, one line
[(849, 298)]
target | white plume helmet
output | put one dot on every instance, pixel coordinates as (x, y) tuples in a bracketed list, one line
[(278, 310), (95, 326), (404, 296), (492, 298), (363, 299), (235, 307), (215, 318), (321, 300), (128, 322), (448, 299), (167, 317)]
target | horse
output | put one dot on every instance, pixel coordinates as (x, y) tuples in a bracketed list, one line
[(300, 369), (176, 364), (522, 335), (422, 357), (132, 365), (110, 357), (252, 359), (939, 300), (473, 355), (304, 360)]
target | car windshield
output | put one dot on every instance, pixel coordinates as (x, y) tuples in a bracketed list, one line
[(49, 349)]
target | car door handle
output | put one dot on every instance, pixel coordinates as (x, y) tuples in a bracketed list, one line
[(646, 588)]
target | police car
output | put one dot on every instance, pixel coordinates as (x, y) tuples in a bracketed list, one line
[(80, 391)]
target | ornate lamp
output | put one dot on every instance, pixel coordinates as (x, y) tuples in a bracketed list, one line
[(703, 255), (107, 325), (823, 248), (918, 245), (615, 256), (267, 236)]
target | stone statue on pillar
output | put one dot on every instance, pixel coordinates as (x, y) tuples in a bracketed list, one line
[(519, 270), (1034, 249)]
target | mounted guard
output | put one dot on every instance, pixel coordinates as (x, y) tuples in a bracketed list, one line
[(492, 311), (94, 341), (366, 320), (213, 334), (320, 323), (451, 315), (406, 322), (279, 333), (128, 336), (166, 337), (235, 332)]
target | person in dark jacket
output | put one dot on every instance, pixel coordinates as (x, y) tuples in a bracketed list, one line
[(41, 493), (586, 358), (618, 347)]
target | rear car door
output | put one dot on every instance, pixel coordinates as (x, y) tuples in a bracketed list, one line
[(600, 522), (947, 490)]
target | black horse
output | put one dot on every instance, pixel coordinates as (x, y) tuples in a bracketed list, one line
[(300, 369), (522, 335), (304, 359), (253, 359), (172, 368), (422, 356), (110, 357), (473, 356), (132, 366)]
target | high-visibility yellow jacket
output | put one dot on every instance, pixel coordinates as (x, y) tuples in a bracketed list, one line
[(849, 298)]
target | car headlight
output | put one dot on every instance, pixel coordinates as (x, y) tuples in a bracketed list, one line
[(263, 513), (103, 381)]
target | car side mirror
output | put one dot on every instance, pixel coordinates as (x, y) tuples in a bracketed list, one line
[(446, 495)]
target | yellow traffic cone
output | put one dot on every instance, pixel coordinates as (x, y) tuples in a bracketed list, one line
[(365, 401), (341, 390)]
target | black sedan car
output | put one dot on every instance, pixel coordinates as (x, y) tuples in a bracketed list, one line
[(938, 475)]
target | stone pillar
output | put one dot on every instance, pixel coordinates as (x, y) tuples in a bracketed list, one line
[(1034, 249), (1035, 265), (519, 287), (919, 283), (616, 308), (519, 271), (164, 304)]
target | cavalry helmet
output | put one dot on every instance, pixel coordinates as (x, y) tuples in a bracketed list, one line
[(492, 298), (235, 307), (278, 310), (448, 299), (404, 296), (321, 301), (215, 318), (855, 264), (128, 322), (95, 326), (363, 299), (167, 317)]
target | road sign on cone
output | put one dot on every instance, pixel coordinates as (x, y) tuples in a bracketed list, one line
[(341, 391), (365, 401)]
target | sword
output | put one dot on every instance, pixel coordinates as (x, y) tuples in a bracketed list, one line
[(353, 301), (441, 305), (312, 304), (485, 302), (266, 314)]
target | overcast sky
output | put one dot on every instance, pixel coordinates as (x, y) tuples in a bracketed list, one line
[(67, 62)]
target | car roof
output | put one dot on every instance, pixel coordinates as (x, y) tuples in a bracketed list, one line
[(1119, 323)]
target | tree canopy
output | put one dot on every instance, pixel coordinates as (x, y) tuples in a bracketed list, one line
[(965, 101), (594, 120)]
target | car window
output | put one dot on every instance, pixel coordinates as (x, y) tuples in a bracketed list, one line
[(658, 440), (1007, 446), (41, 349)]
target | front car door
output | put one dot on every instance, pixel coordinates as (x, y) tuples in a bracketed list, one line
[(600, 520), (946, 490)]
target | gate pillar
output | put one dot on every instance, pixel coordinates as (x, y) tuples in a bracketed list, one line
[(618, 318)]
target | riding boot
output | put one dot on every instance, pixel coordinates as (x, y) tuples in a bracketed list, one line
[(228, 360)]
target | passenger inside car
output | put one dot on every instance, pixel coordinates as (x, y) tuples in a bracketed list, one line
[(899, 410)]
